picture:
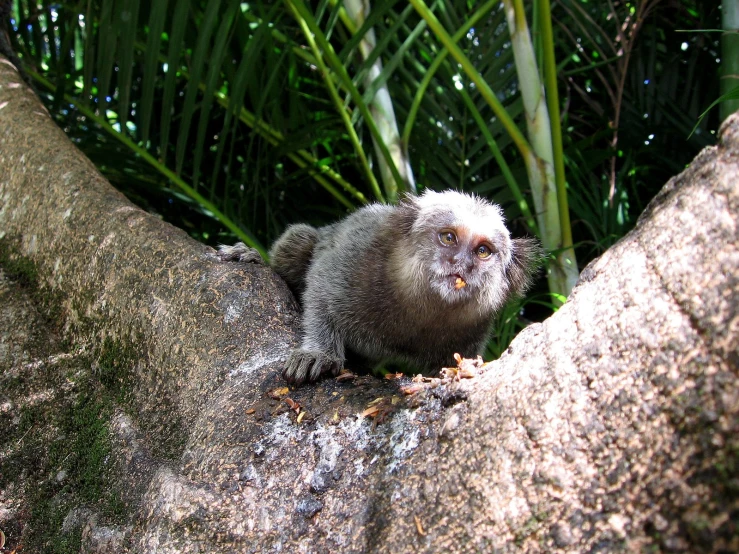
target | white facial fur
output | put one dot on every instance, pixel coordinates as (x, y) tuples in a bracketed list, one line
[(474, 221)]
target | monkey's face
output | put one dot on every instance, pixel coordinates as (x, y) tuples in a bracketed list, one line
[(467, 265), (462, 250)]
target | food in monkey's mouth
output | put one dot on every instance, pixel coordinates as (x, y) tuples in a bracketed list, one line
[(459, 283)]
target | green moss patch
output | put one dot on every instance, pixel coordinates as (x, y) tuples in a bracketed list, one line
[(115, 369), (61, 460)]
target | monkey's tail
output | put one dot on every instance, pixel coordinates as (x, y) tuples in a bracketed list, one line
[(291, 255)]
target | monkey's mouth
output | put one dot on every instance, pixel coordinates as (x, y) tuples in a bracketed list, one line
[(456, 281), (453, 287)]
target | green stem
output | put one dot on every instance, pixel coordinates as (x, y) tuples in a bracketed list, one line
[(502, 164), (552, 94), (303, 158), (563, 272), (381, 105), (729, 55)]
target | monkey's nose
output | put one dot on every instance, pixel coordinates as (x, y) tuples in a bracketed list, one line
[(462, 262), (467, 262)]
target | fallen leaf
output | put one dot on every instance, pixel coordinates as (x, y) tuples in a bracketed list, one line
[(300, 416), (372, 411), (419, 527), (448, 372), (412, 389), (277, 393), (345, 374), (250, 411), (293, 405)]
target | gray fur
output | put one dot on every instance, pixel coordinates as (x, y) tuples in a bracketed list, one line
[(380, 283)]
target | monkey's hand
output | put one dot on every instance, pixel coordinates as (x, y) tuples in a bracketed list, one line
[(239, 252), (309, 365)]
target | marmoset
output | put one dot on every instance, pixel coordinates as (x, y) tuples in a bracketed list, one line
[(413, 283)]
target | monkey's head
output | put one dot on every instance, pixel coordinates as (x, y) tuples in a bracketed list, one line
[(462, 251)]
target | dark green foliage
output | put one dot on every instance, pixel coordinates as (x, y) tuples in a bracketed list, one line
[(655, 81)]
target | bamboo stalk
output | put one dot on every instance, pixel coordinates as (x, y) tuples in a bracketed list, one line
[(563, 273), (381, 107)]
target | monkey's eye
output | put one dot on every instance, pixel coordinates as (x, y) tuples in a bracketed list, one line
[(483, 251), (448, 238)]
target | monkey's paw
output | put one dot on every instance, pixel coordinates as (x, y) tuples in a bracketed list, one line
[(239, 252), (309, 365)]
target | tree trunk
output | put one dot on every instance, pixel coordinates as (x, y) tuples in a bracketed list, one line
[(613, 425)]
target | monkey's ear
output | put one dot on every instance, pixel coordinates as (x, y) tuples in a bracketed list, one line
[(526, 257), (405, 214)]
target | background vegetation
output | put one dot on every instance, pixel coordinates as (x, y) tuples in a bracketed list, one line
[(232, 119)]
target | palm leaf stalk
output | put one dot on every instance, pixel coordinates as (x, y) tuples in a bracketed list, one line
[(301, 157), (325, 176), (548, 132), (381, 106), (336, 99)]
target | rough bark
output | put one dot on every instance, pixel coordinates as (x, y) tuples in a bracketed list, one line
[(613, 425)]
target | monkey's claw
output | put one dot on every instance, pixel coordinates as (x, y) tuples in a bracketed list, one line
[(239, 252), (309, 365)]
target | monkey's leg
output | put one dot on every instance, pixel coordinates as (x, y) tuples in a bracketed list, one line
[(239, 252), (322, 351), (291, 254)]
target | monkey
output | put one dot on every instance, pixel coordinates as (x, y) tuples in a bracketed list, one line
[(413, 283)]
